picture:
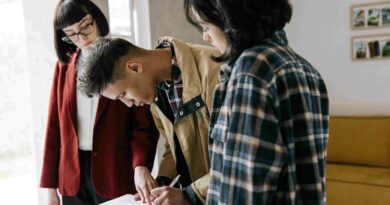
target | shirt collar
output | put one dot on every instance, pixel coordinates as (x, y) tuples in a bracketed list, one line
[(226, 69), (279, 37), (175, 70)]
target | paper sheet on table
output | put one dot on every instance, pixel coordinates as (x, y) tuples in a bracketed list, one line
[(123, 200)]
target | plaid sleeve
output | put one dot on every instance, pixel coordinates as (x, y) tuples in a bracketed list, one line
[(253, 153)]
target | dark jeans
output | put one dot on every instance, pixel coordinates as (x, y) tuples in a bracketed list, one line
[(87, 194)]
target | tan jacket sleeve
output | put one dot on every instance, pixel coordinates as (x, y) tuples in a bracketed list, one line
[(200, 187)]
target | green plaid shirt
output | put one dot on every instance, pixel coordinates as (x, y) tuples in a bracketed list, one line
[(268, 129)]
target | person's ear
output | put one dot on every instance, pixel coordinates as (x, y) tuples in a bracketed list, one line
[(134, 67)]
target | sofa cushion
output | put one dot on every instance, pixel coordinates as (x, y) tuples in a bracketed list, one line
[(373, 176), (357, 185), (341, 193), (359, 140)]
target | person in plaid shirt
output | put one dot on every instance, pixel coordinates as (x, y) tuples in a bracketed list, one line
[(269, 122)]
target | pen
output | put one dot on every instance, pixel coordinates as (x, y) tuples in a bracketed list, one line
[(174, 181)]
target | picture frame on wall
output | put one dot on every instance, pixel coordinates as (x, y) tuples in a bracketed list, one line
[(368, 16), (371, 47)]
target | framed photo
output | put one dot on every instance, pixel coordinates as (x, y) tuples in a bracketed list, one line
[(371, 47), (374, 15)]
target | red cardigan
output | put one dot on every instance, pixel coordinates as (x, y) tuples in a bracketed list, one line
[(123, 139)]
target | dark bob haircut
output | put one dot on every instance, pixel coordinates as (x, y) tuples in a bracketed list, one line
[(245, 23), (69, 12)]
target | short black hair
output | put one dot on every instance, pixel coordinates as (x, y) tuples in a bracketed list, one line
[(69, 12), (101, 63), (244, 23)]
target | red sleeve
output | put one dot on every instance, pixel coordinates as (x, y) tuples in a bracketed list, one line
[(51, 155), (144, 137)]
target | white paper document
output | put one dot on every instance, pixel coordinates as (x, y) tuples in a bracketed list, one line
[(123, 200)]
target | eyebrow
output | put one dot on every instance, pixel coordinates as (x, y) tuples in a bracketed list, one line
[(82, 21)]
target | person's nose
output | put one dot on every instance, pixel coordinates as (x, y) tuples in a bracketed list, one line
[(82, 37), (206, 37), (127, 102)]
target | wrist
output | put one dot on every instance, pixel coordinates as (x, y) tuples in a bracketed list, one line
[(141, 170), (52, 192)]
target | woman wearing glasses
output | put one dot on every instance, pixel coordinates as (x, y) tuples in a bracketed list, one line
[(94, 147)]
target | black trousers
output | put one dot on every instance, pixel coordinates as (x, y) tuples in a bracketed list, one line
[(87, 194)]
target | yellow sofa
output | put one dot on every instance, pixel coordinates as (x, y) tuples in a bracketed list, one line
[(358, 168)]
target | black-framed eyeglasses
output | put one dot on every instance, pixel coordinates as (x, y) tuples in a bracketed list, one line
[(85, 31)]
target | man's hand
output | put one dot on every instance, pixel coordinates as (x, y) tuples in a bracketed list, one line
[(144, 183), (52, 197), (168, 195)]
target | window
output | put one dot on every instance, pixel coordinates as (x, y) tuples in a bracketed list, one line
[(121, 19)]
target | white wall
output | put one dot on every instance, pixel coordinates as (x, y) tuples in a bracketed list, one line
[(320, 31), (168, 19)]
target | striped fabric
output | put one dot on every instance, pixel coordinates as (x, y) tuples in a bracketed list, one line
[(268, 129)]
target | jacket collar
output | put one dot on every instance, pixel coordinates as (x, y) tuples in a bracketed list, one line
[(71, 82), (72, 92), (186, 62), (227, 68)]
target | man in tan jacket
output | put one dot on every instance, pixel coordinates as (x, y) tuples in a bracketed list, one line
[(178, 81)]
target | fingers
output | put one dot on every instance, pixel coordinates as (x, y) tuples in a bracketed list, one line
[(146, 192), (141, 194), (161, 195), (136, 197), (148, 189), (154, 184), (144, 184), (151, 183), (159, 191)]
